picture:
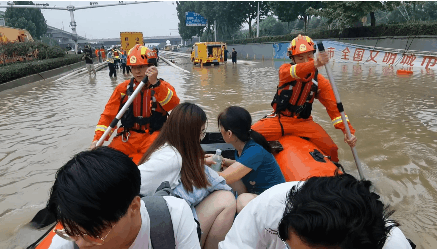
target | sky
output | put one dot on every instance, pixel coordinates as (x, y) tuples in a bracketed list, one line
[(153, 19)]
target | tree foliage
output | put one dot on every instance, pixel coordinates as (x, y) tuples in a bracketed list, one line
[(186, 32), (409, 12), (229, 17), (296, 16), (29, 19), (348, 13), (249, 11), (271, 26), (289, 11)]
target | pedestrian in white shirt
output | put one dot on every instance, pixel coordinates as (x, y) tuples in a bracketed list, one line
[(95, 199), (322, 212)]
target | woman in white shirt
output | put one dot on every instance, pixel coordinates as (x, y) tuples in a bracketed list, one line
[(176, 156)]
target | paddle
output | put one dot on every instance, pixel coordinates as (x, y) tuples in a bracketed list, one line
[(341, 110), (122, 111), (44, 217)]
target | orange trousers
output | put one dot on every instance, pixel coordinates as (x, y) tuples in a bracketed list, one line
[(136, 145), (270, 128)]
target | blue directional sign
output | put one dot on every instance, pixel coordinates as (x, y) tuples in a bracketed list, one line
[(194, 19)]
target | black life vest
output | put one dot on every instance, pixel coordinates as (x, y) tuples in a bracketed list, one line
[(156, 119), (297, 98)]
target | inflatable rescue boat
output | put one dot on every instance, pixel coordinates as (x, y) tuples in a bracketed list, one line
[(297, 157)]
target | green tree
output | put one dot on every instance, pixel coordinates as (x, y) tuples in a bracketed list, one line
[(271, 26), (413, 11), (26, 18), (248, 10), (187, 32), (229, 19), (227, 15), (348, 13), (430, 10), (292, 10)]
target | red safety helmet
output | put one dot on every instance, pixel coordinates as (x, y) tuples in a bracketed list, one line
[(301, 44), (141, 55)]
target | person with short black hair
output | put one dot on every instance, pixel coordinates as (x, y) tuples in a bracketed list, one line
[(89, 60), (225, 54), (96, 199), (234, 56), (323, 212), (123, 60), (111, 66)]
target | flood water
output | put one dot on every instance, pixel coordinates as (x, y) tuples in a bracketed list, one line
[(43, 124)]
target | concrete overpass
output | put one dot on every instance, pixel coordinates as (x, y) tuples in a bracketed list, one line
[(65, 38), (174, 40)]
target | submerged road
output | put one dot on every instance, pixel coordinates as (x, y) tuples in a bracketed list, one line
[(44, 123)]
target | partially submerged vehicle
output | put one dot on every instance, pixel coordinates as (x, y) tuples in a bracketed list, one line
[(207, 53)]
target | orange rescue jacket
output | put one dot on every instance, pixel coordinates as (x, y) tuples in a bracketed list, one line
[(164, 93), (325, 94), (102, 52)]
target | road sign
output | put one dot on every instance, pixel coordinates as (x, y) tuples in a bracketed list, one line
[(194, 19)]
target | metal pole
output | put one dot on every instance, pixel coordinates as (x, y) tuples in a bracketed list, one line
[(73, 26), (257, 23), (341, 110), (215, 30), (122, 111), (172, 64)]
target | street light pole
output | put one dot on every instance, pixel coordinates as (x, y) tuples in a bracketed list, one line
[(257, 23), (215, 30), (73, 26)]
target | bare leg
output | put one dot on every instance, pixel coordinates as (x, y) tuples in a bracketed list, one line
[(243, 200), (216, 214)]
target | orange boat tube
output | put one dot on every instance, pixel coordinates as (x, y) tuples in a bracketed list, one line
[(301, 159)]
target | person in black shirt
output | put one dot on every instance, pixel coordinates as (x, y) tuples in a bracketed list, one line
[(89, 59), (225, 54), (234, 56)]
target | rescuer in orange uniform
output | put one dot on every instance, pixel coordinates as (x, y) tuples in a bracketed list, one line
[(103, 53), (299, 85), (141, 123)]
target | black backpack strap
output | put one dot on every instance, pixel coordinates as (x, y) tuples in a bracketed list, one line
[(161, 226)]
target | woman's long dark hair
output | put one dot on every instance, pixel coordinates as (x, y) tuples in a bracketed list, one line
[(182, 131), (238, 120)]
